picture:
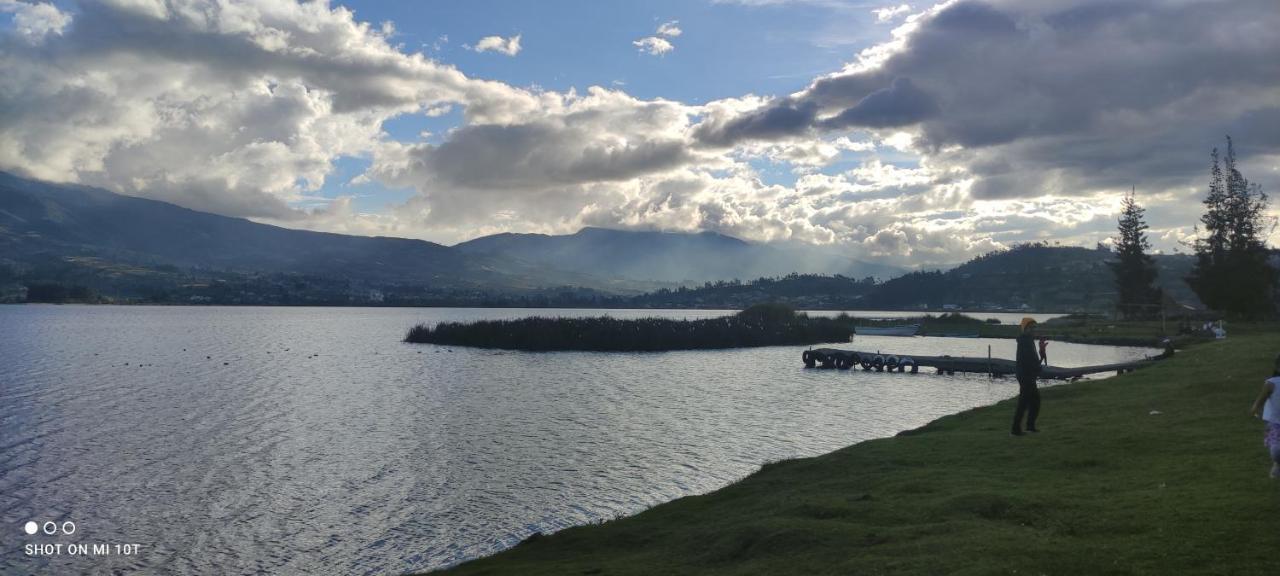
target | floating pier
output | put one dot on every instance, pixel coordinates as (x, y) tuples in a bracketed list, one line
[(881, 362)]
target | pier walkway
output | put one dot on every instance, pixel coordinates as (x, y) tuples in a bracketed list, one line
[(881, 362)]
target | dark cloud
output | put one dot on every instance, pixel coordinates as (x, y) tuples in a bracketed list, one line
[(1055, 96), (540, 154), (901, 104), (781, 119)]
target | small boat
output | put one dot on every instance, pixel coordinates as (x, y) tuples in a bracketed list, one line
[(908, 330)]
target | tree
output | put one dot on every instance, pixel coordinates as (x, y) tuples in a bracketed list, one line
[(1232, 273), (1135, 270)]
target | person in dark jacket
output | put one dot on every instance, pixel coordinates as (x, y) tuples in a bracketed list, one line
[(1027, 370)]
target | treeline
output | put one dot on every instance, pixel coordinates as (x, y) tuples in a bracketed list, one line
[(760, 325), (1233, 273), (805, 291), (60, 294)]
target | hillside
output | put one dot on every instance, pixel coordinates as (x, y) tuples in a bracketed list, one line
[(63, 242), (1048, 278), (131, 247), (1045, 278), (670, 257)]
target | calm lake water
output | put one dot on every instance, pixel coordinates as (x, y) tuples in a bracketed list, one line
[(312, 441)]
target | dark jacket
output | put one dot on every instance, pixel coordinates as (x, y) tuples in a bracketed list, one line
[(1028, 358)]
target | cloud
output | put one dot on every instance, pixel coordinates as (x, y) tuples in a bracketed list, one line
[(1070, 97), (556, 160), (974, 126), (235, 108), (653, 45), (659, 44), (891, 13), (34, 20), (509, 46)]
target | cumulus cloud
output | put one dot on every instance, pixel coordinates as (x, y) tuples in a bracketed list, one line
[(575, 148), (34, 20), (660, 43), (891, 13), (1051, 96), (974, 126), (509, 46), (234, 108), (653, 45)]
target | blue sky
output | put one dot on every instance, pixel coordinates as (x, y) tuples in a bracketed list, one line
[(941, 132), (726, 50)]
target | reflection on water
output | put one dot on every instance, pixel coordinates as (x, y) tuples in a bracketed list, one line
[(310, 440)]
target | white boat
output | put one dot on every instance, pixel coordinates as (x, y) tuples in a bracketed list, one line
[(908, 330)]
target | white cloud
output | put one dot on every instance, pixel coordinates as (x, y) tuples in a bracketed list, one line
[(653, 45), (34, 20), (264, 94), (509, 46), (891, 13), (845, 143), (438, 110), (659, 44), (954, 137)]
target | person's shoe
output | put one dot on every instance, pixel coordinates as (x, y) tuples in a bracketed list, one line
[(1034, 430), (1015, 432)]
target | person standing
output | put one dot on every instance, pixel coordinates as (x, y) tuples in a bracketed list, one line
[(1028, 368), (1044, 351), (1267, 407)]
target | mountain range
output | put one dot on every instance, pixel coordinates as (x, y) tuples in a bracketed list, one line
[(111, 247), (669, 257), (130, 248)]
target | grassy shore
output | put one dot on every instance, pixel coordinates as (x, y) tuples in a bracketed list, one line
[(1109, 487)]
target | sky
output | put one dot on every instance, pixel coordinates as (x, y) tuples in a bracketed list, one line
[(918, 134)]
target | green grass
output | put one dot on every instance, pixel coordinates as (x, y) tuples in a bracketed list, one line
[(1106, 488)]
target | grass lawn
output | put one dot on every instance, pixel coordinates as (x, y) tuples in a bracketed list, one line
[(1108, 487)]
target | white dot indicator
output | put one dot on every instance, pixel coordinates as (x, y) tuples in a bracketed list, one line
[(31, 527)]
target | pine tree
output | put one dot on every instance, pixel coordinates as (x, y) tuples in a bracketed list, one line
[(1232, 273), (1135, 270)]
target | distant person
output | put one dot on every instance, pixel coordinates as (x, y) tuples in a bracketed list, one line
[(1044, 351), (1267, 407), (1027, 370)]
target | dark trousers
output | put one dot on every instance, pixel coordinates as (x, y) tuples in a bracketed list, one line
[(1028, 403)]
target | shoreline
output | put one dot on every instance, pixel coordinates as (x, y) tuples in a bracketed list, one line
[(505, 307), (978, 500)]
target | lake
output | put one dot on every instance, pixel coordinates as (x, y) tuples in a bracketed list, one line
[(312, 441)]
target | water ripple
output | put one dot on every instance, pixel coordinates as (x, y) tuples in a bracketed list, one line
[(310, 441)]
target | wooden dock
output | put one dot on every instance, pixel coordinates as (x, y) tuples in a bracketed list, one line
[(881, 362)]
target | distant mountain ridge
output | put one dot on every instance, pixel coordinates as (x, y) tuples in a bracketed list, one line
[(1036, 277), (668, 256), (138, 249), (57, 237), (40, 221)]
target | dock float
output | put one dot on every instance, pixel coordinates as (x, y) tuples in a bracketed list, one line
[(877, 361)]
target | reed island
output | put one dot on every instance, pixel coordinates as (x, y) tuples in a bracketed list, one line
[(759, 325)]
